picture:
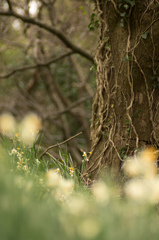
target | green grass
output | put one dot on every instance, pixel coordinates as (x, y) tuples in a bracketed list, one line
[(31, 208)]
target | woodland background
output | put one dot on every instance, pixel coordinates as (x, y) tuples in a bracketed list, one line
[(41, 73), (47, 49)]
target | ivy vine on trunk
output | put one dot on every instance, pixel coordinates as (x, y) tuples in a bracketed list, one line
[(125, 113)]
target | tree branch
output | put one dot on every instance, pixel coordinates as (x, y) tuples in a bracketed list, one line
[(58, 144), (10, 5), (28, 67), (50, 29), (73, 105)]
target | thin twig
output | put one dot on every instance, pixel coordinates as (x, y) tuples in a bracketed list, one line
[(10, 5), (115, 7), (58, 144), (29, 67), (73, 105), (68, 43), (50, 155)]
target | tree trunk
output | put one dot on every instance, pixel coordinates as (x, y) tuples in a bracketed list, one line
[(125, 114)]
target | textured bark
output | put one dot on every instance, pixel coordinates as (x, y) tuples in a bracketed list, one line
[(125, 112)]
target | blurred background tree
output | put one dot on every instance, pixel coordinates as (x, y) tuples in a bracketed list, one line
[(46, 66)]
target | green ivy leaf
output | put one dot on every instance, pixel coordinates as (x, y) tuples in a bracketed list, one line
[(154, 72), (152, 78), (126, 59), (132, 3), (126, 6), (123, 14), (84, 12), (144, 36)]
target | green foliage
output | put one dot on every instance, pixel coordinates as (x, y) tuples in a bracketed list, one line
[(123, 151), (136, 114), (126, 58), (83, 10), (144, 36), (124, 7), (93, 67), (14, 57), (125, 2), (122, 22), (94, 21), (30, 209), (155, 79)]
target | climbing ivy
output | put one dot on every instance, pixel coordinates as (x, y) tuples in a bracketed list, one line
[(124, 7), (94, 20)]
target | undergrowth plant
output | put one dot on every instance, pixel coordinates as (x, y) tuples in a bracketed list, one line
[(45, 198)]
